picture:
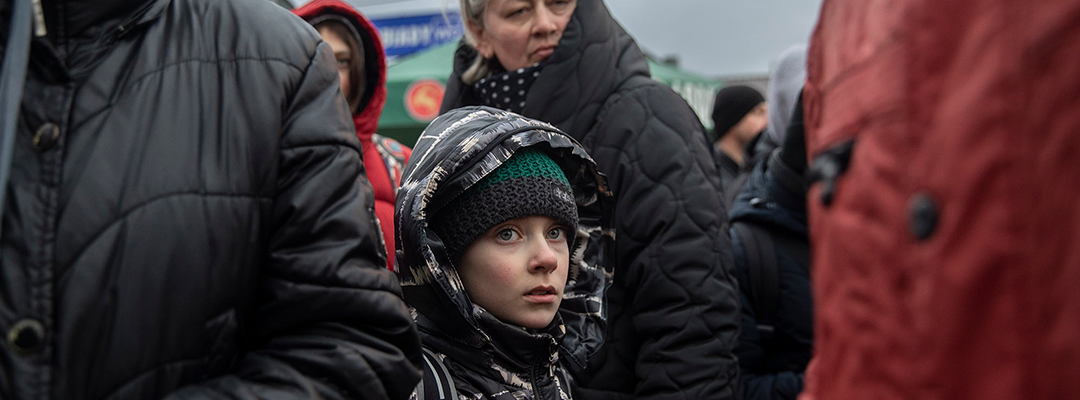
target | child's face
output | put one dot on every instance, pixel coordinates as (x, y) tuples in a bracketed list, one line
[(517, 270)]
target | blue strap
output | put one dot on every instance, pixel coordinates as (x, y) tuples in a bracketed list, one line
[(12, 79)]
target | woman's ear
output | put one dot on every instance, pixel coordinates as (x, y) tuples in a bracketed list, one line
[(483, 43)]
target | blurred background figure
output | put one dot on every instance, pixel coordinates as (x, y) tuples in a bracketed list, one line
[(771, 247), (361, 66), (672, 307), (944, 139), (739, 115), (786, 79)]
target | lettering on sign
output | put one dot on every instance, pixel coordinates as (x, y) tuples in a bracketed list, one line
[(408, 35)]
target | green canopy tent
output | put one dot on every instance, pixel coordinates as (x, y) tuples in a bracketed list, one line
[(415, 85)]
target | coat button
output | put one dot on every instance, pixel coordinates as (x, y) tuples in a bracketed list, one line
[(922, 216), (46, 136), (26, 336)]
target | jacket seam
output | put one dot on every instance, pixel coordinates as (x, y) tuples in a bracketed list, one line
[(332, 286), (144, 373), (341, 143), (96, 235), (113, 101), (290, 93), (212, 61)]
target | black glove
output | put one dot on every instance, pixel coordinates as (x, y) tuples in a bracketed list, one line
[(793, 150)]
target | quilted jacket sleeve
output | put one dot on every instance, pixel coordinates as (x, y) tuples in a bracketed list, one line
[(328, 320), (672, 251)]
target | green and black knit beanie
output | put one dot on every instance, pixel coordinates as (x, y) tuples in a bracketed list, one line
[(529, 183)]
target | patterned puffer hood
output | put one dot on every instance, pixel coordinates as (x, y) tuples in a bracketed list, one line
[(487, 357)]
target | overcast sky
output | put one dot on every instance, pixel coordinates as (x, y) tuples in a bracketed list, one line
[(711, 37)]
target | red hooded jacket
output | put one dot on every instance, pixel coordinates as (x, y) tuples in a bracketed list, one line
[(946, 265), (384, 158)]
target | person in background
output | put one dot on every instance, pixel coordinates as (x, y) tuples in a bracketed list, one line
[(361, 65), (770, 245), (187, 215), (739, 115), (672, 311), (786, 79), (943, 136), (490, 248)]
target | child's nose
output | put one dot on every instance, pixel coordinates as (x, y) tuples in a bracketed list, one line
[(545, 259)]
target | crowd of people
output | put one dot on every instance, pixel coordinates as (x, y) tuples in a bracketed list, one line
[(197, 205)]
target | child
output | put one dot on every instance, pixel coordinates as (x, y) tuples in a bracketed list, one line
[(490, 250)]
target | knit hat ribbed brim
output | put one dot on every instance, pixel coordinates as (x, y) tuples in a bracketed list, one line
[(529, 183)]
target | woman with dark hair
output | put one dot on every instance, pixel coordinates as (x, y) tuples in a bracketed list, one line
[(362, 70), (673, 313)]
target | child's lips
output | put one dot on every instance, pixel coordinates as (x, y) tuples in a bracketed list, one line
[(541, 295)]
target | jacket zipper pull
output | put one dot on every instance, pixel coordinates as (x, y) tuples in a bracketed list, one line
[(39, 20), (829, 166)]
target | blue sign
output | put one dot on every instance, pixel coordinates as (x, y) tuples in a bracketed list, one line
[(406, 35)]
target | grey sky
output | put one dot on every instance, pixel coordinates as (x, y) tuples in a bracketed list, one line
[(711, 37)]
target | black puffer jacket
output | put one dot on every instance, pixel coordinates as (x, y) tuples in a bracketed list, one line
[(187, 216), (488, 358), (673, 309)]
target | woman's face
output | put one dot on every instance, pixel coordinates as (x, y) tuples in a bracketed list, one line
[(343, 55), (517, 270), (521, 33)]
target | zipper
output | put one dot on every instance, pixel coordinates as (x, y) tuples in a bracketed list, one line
[(534, 377), (39, 20)]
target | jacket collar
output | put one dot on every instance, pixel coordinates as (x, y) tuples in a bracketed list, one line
[(508, 355), (595, 48)]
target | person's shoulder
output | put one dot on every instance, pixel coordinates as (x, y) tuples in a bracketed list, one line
[(653, 93), (247, 13), (249, 28), (648, 99)]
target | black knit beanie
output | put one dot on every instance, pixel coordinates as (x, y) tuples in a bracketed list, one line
[(731, 105), (529, 183)]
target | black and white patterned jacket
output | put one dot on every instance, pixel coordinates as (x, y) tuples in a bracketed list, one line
[(487, 358)]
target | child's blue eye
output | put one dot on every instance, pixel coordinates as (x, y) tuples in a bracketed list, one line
[(555, 233)]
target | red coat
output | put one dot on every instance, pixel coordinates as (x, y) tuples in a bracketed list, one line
[(947, 265), (384, 158)]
